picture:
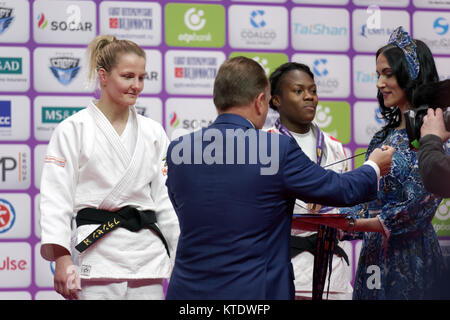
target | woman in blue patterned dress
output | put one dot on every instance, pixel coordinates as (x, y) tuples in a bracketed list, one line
[(400, 256)]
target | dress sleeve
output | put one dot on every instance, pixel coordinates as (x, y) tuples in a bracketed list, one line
[(411, 215)]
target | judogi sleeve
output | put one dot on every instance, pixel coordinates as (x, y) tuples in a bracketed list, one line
[(313, 184), (59, 176), (165, 214)]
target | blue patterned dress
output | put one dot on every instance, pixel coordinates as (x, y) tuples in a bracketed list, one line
[(408, 262)]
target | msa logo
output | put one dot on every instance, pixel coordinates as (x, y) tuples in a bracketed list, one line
[(65, 69), (5, 114), (7, 216), (5, 18), (58, 114), (10, 65)]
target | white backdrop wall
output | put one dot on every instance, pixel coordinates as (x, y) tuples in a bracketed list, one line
[(43, 81)]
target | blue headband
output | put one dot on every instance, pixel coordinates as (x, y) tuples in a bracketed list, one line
[(402, 39)]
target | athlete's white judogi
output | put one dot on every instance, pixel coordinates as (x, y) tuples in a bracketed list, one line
[(87, 165), (303, 263)]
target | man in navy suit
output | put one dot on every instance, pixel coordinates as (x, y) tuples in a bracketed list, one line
[(233, 188)]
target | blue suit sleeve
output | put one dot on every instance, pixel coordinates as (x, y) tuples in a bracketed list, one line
[(310, 183)]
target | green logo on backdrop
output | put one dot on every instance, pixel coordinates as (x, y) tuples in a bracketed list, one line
[(269, 61), (359, 160), (58, 114), (333, 117), (10, 65), (195, 25), (441, 220)]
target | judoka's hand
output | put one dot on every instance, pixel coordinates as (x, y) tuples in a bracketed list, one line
[(383, 158), (65, 280)]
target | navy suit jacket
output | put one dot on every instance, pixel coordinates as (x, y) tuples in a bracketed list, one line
[(235, 222)]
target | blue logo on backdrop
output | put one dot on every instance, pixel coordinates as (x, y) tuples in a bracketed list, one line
[(319, 67), (5, 114), (440, 26), (256, 18), (65, 69), (367, 32), (5, 18)]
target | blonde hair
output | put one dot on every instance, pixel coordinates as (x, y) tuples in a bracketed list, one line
[(104, 51)]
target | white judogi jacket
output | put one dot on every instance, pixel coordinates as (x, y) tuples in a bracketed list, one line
[(303, 263), (87, 165)]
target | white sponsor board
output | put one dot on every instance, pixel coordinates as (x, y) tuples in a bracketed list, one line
[(136, 21), (14, 21), (192, 72), (14, 117), (331, 73), (71, 22), (258, 27), (320, 29), (15, 265), (15, 215), (15, 166), (14, 69), (61, 70), (371, 30)]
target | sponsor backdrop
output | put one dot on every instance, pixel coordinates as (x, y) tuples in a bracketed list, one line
[(43, 81)]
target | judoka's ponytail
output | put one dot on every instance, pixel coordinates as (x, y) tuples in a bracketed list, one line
[(104, 50)]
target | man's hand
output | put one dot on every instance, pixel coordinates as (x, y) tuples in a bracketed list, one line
[(433, 123), (383, 158)]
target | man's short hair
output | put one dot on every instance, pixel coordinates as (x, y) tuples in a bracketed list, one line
[(239, 81)]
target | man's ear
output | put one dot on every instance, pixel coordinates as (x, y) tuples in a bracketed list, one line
[(259, 103)]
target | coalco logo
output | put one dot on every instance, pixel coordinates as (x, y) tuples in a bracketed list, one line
[(7, 216), (324, 82), (257, 19), (259, 34)]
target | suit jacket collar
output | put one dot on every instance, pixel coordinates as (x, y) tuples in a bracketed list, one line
[(234, 119)]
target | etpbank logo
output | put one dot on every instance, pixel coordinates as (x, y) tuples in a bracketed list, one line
[(5, 114)]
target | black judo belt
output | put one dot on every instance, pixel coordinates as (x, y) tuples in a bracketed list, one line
[(127, 217), (322, 245)]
